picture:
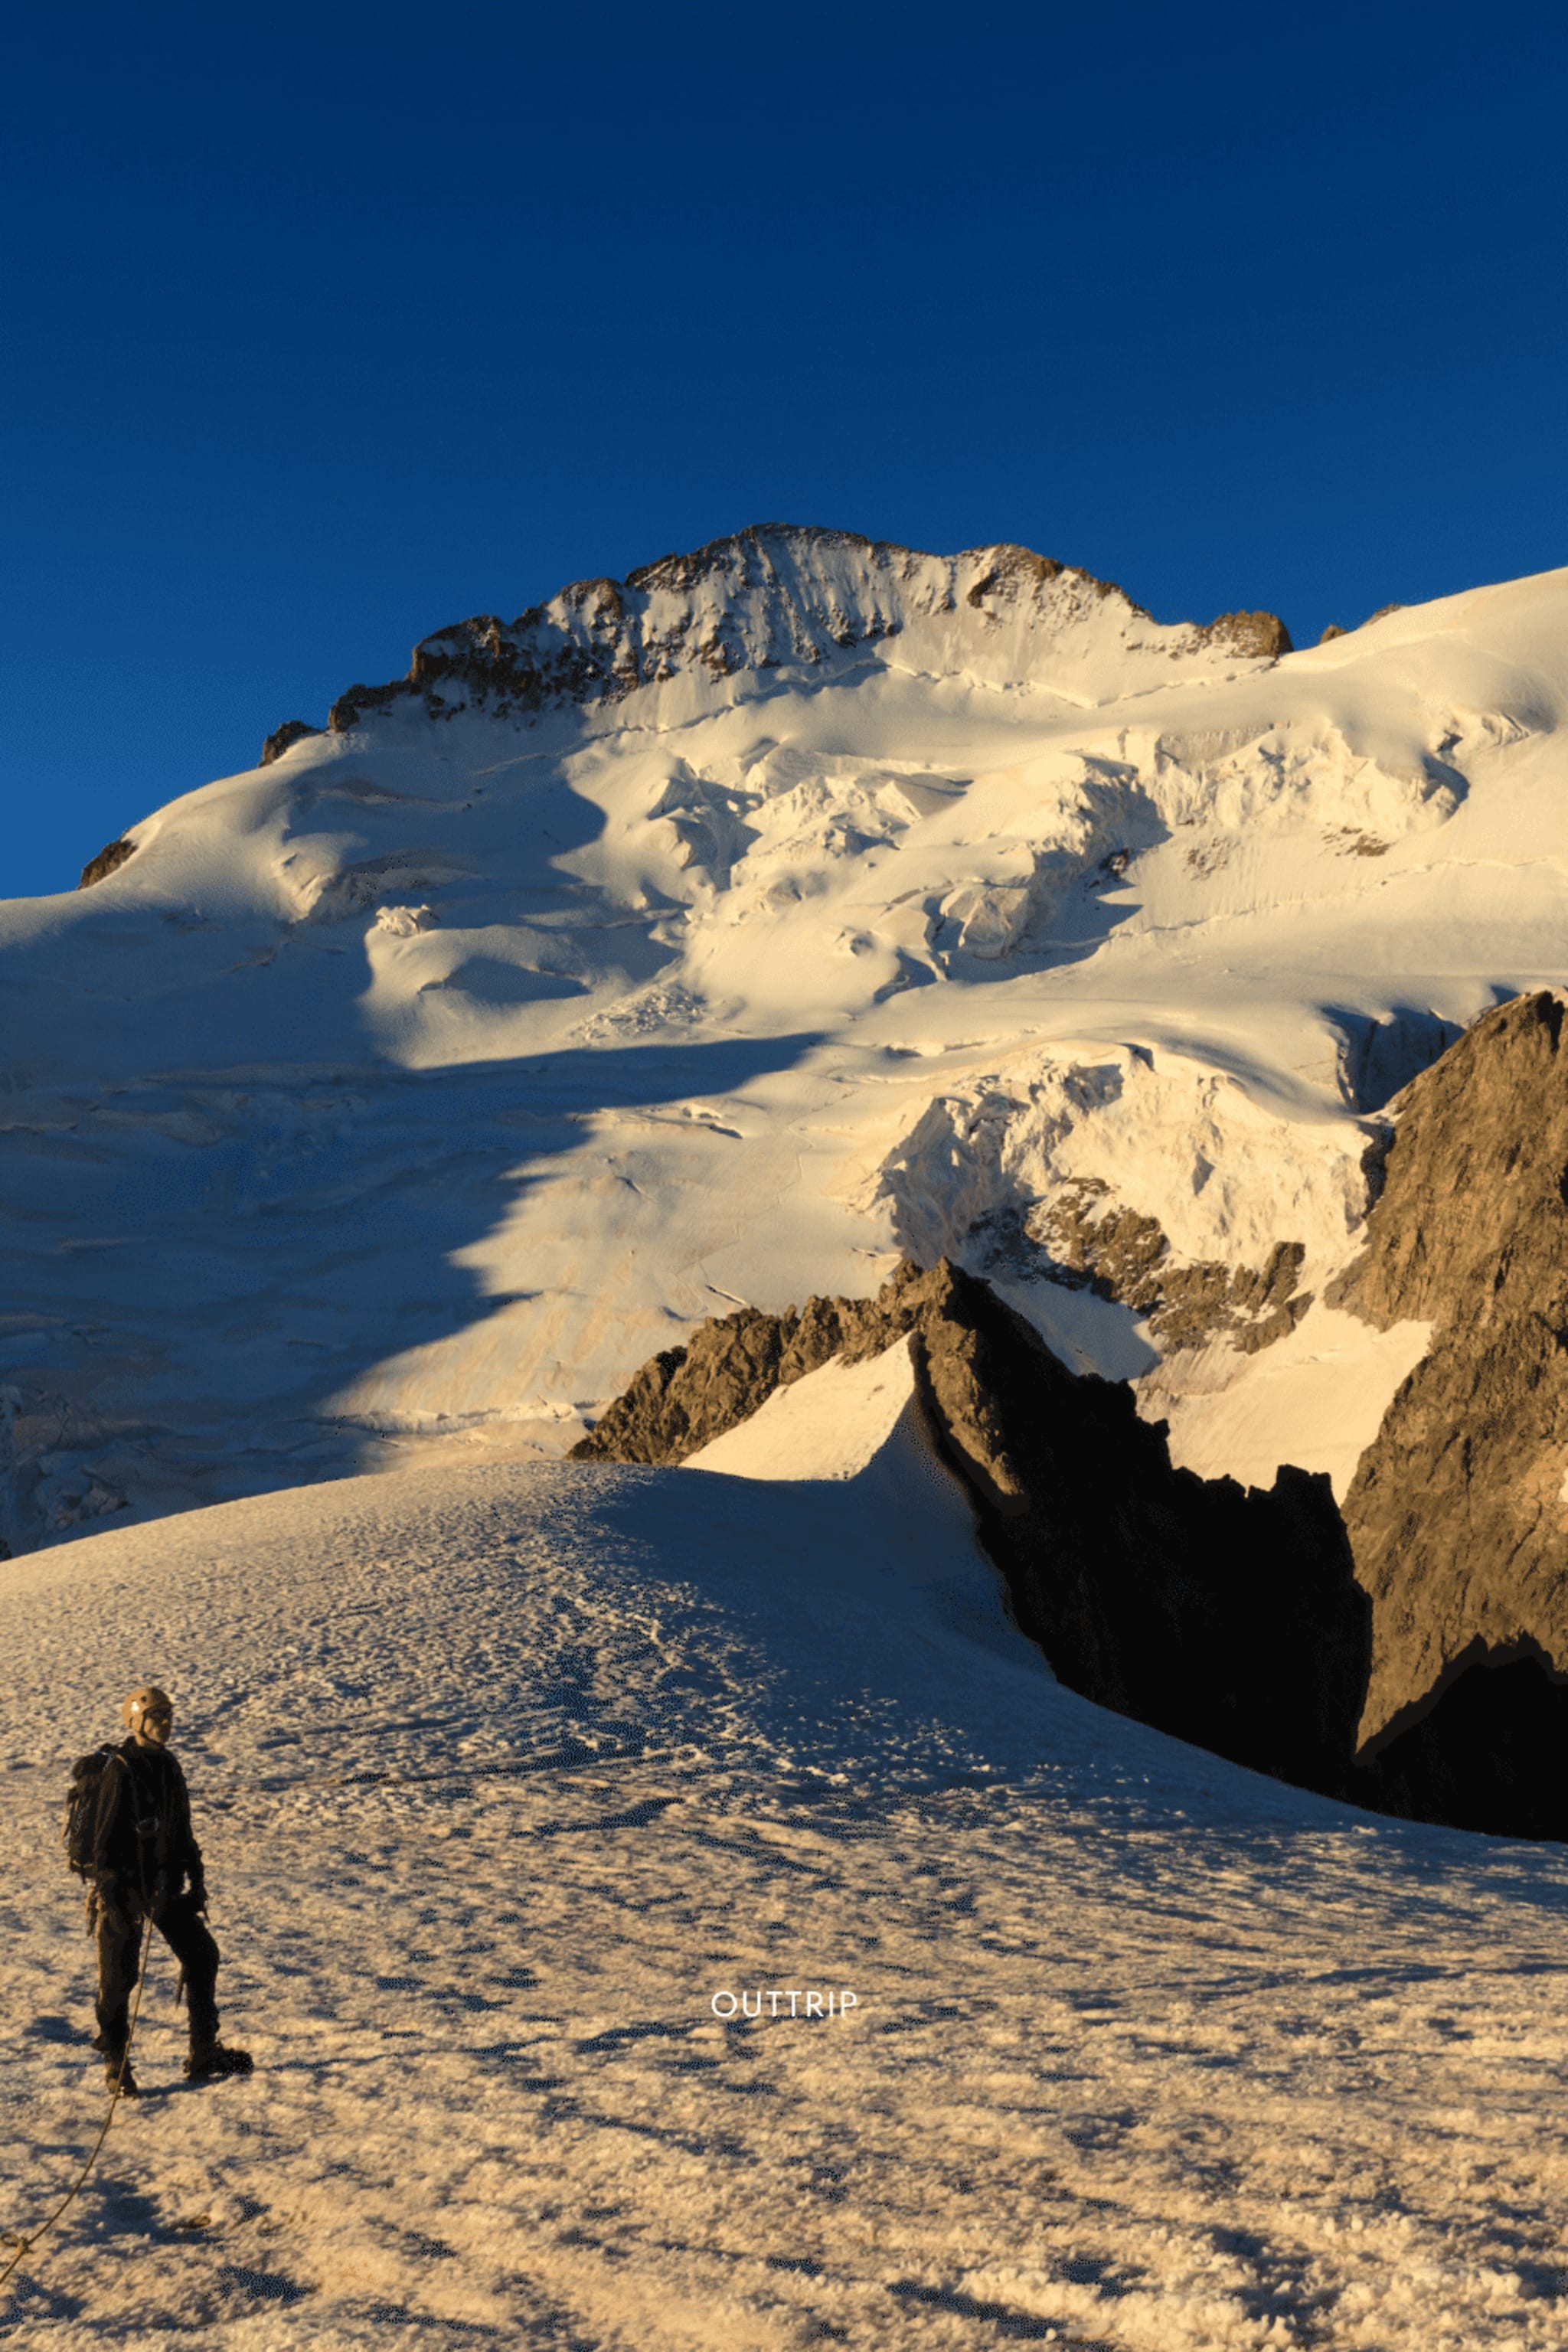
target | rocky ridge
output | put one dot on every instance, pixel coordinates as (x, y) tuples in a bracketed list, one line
[(774, 598), (1142, 1583)]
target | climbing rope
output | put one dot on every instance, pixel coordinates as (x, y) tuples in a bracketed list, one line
[(26, 2245)]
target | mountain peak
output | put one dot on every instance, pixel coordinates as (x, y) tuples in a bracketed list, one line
[(786, 597)]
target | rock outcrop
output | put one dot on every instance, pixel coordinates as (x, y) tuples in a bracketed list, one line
[(1228, 1617), (1262, 634), (1118, 1253), (110, 860), (1457, 1515), (283, 738)]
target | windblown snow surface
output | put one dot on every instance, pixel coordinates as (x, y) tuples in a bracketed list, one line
[(383, 1112), (510, 1774)]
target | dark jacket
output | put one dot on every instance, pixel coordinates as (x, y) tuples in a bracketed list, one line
[(142, 1844)]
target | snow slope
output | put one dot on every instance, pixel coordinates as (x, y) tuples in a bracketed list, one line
[(717, 936), (834, 1423), (505, 1773)]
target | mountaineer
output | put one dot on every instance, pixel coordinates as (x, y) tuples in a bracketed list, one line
[(128, 1834)]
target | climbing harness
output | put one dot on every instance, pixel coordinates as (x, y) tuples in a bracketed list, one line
[(26, 2245)]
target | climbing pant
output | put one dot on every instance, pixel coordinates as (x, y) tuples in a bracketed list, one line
[(119, 1950)]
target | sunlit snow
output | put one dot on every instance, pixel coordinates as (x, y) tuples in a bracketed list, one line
[(506, 1773)]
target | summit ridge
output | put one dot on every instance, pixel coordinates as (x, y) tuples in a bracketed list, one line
[(782, 597)]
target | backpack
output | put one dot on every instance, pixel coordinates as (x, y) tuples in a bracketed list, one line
[(81, 1807)]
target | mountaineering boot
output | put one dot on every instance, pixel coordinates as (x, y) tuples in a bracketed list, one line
[(116, 2076), (211, 2059)]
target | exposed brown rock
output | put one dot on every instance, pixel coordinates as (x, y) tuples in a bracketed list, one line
[(1263, 635), (110, 860), (688, 1395), (1333, 628), (1264, 1306), (1228, 1618), (283, 738), (1125, 1255), (1456, 1513), (683, 1399), (1118, 1250)]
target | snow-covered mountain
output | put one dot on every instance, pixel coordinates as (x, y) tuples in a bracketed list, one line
[(723, 935)]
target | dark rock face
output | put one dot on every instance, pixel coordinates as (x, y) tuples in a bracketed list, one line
[(1485, 1755), (1456, 1513), (1228, 1617), (283, 738), (110, 860)]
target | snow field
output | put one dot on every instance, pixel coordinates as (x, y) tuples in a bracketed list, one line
[(502, 1772)]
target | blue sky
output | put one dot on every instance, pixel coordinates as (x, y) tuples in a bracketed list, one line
[(321, 334)]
